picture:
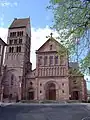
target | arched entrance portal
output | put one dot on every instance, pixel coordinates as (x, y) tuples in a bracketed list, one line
[(51, 91), (31, 94), (75, 95)]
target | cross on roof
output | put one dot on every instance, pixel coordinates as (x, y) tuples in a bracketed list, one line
[(51, 34)]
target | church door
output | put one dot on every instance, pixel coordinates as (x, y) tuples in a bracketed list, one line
[(51, 91), (31, 95), (76, 95)]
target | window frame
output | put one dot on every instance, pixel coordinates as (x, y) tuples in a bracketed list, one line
[(50, 60), (45, 60), (56, 60)]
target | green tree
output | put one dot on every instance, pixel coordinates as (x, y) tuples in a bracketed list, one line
[(72, 21)]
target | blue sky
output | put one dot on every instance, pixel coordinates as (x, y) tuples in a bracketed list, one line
[(36, 9), (41, 20)]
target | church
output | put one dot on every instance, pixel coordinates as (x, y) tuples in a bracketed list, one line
[(50, 80)]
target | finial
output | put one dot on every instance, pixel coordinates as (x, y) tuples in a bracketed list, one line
[(51, 34)]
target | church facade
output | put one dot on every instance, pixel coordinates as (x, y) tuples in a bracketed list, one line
[(49, 81)]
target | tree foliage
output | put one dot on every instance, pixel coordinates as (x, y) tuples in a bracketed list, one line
[(72, 21)]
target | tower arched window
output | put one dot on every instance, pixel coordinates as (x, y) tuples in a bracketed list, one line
[(10, 49), (10, 42), (22, 33), (15, 41), (19, 49), (20, 41)]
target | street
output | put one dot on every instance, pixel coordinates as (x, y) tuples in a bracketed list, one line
[(44, 112)]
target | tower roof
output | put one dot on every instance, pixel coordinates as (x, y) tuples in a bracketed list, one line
[(19, 23)]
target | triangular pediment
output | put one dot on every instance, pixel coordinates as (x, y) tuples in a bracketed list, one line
[(50, 45)]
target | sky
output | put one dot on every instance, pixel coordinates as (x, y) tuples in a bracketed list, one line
[(40, 20)]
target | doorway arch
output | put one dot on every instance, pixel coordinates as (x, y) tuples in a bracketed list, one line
[(51, 91), (76, 95), (31, 94)]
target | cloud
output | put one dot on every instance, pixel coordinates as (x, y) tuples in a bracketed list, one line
[(4, 33), (5, 3), (2, 20), (15, 3), (38, 38)]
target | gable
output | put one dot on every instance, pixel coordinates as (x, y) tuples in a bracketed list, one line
[(50, 45)]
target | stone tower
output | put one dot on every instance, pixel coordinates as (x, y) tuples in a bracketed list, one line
[(17, 57)]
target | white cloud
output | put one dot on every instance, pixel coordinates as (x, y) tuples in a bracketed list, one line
[(15, 3), (5, 3), (38, 38), (3, 33)]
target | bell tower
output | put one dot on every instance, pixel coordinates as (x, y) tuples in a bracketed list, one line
[(17, 57)]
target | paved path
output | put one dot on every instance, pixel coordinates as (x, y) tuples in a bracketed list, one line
[(45, 112)]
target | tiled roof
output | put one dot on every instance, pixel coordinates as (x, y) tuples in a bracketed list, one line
[(17, 23)]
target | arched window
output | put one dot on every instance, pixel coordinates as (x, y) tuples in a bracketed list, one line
[(56, 59), (9, 49), (20, 41), (12, 49), (40, 60), (15, 41), (51, 60), (45, 60), (10, 42), (19, 49)]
